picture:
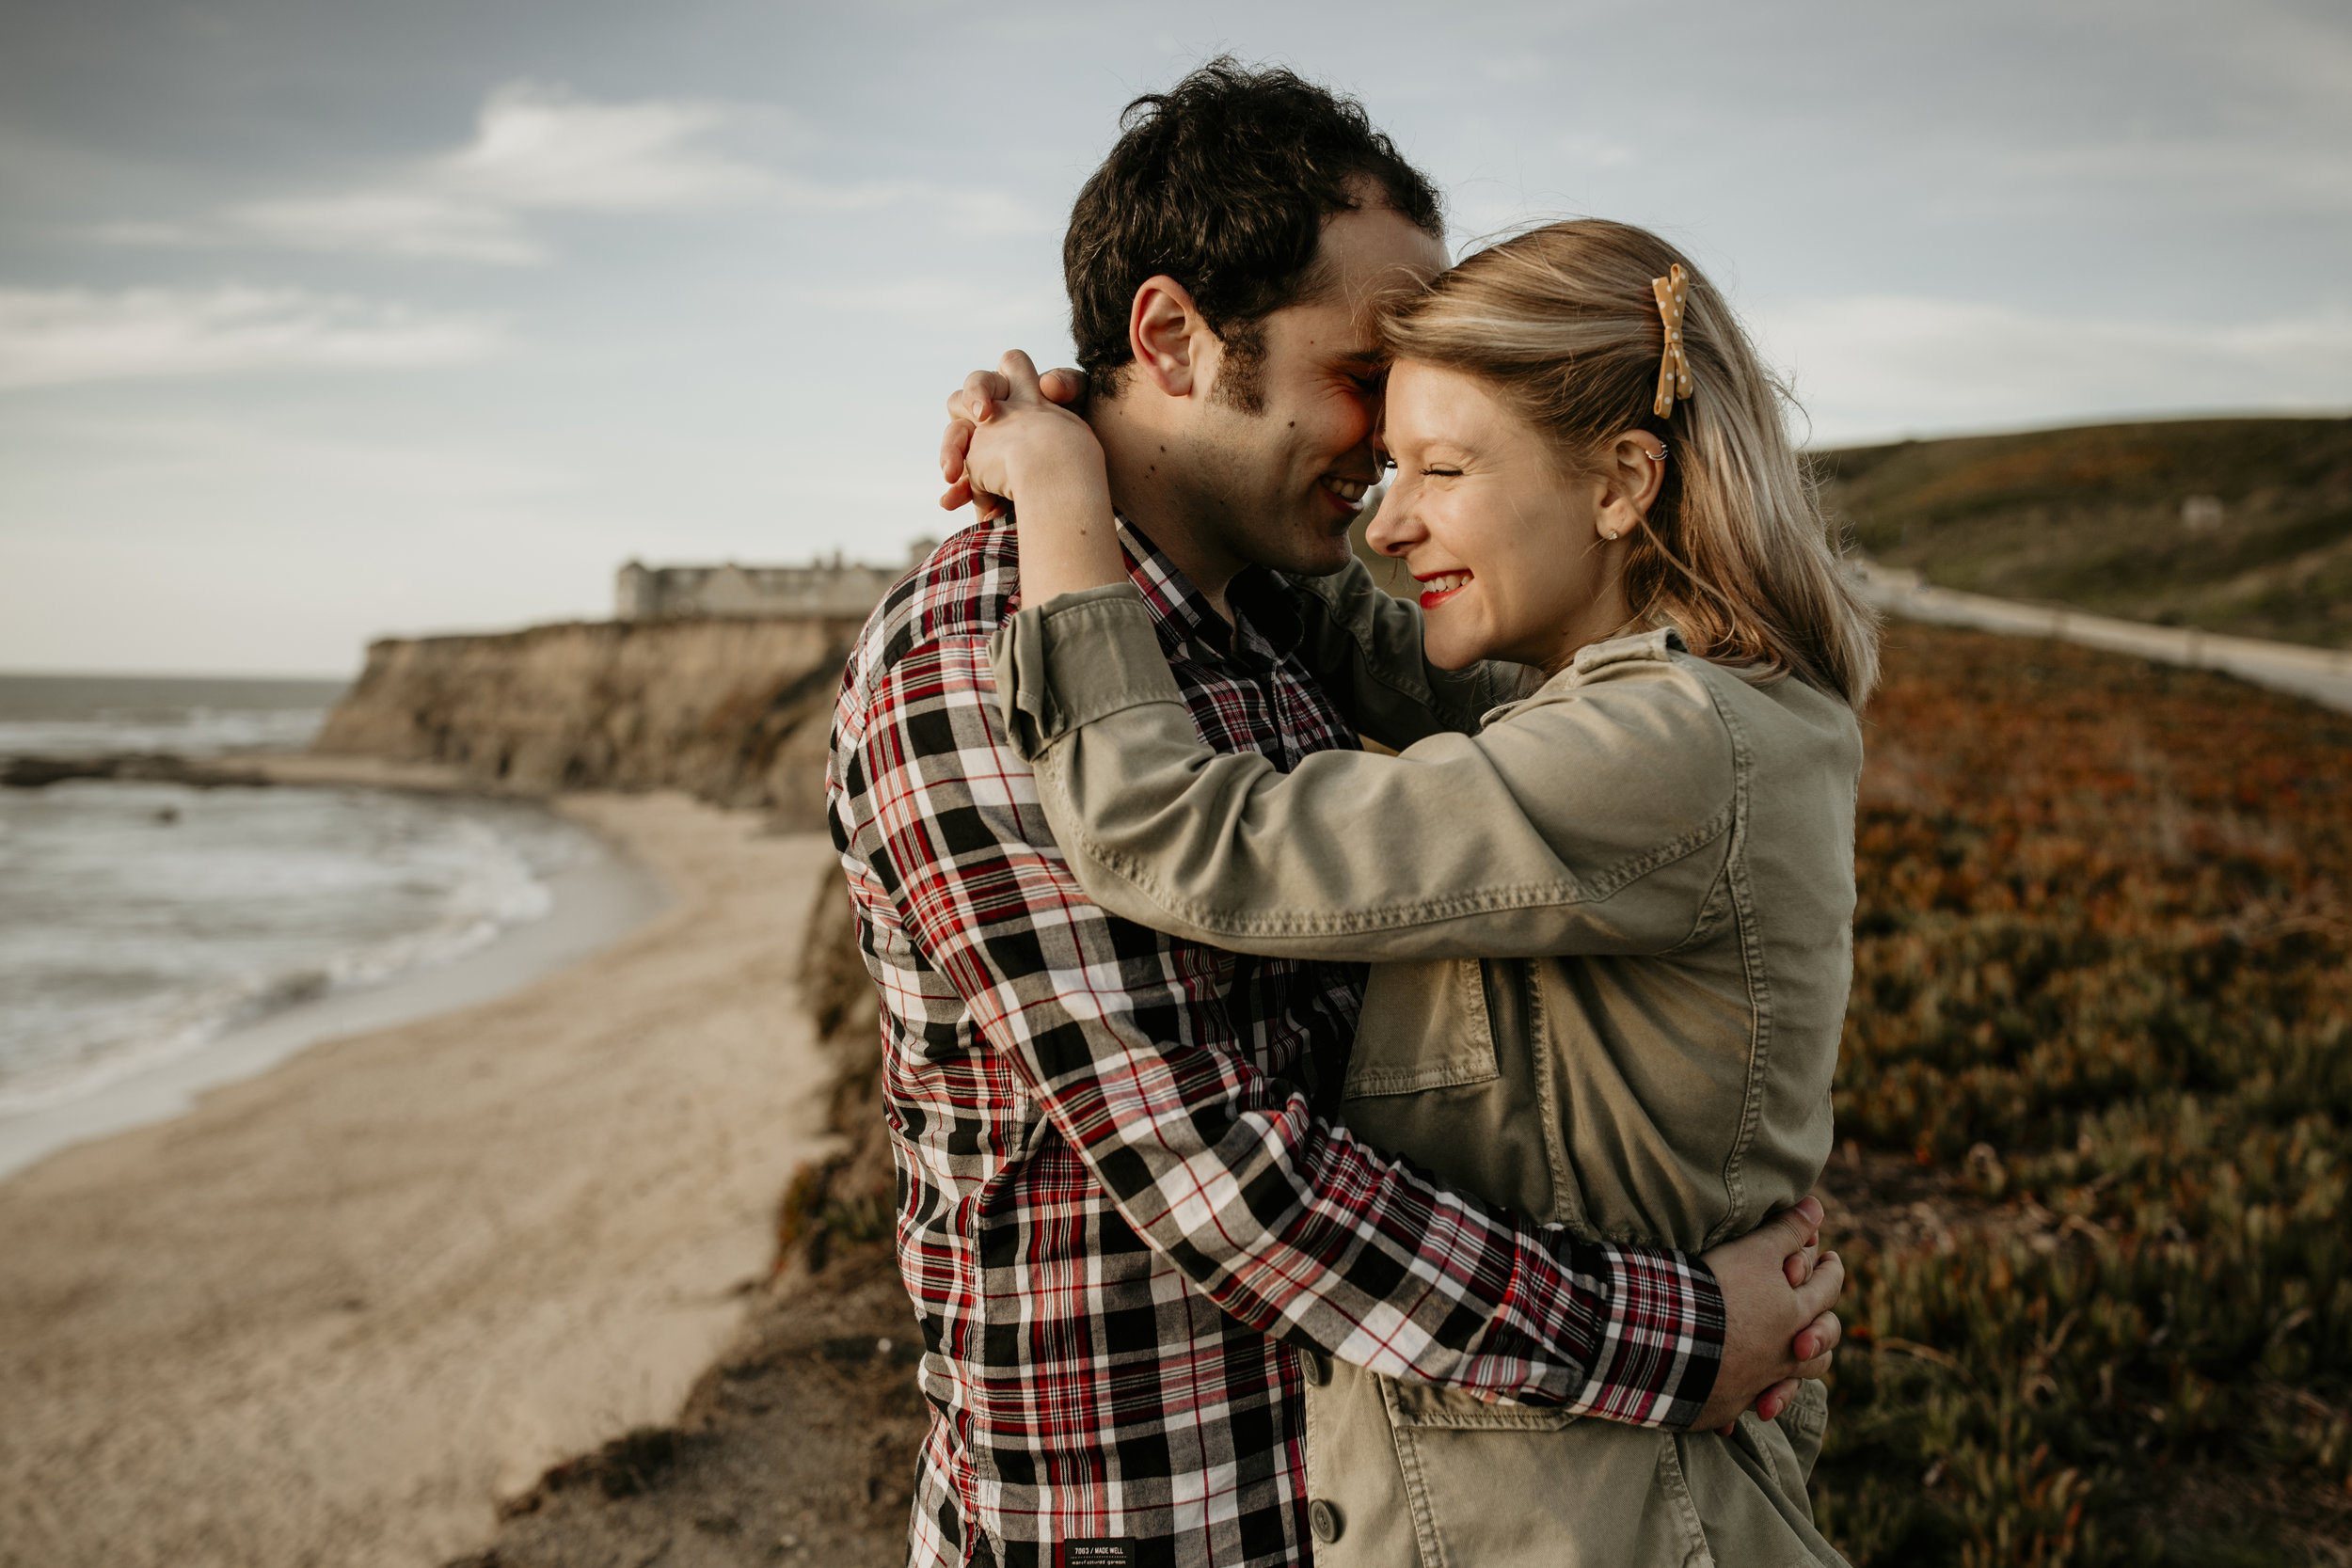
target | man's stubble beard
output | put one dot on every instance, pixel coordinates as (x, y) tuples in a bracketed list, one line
[(1249, 508), (1240, 384)]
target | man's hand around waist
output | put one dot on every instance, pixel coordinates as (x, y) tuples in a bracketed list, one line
[(1779, 1322)]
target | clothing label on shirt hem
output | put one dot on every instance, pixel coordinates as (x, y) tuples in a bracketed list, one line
[(1098, 1552)]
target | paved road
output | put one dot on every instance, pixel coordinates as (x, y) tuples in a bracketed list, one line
[(2322, 675)]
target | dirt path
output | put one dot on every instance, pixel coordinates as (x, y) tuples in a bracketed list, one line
[(2322, 675)]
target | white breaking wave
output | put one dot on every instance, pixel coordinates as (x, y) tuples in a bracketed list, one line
[(197, 733), (139, 922)]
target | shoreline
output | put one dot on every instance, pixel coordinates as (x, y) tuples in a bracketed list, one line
[(341, 1309), (595, 902)]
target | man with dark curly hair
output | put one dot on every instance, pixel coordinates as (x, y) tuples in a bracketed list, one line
[(1131, 1228)]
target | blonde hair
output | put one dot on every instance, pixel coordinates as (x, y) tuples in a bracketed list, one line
[(1735, 554)]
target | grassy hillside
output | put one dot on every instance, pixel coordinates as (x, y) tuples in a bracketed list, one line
[(2097, 1088), (2239, 526)]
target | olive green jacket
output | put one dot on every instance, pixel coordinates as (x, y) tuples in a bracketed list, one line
[(1611, 938)]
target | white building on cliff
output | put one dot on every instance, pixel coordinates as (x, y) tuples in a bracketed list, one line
[(845, 589)]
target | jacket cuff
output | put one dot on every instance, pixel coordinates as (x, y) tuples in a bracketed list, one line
[(1075, 659), (1661, 1337)]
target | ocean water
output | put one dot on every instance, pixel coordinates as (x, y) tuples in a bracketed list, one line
[(138, 922), (106, 715)]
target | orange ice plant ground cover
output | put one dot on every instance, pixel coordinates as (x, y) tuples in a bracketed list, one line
[(2096, 1085)]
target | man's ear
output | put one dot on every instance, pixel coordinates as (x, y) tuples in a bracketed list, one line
[(1164, 333)]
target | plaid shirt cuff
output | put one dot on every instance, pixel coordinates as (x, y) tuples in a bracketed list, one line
[(1660, 1335)]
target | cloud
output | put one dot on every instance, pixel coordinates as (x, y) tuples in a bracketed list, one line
[(535, 148), (51, 337), (1888, 365), (539, 148), (390, 223)]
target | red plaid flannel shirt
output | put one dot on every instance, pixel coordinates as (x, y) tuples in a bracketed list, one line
[(1120, 1216)]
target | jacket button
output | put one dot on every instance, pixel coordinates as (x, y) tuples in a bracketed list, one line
[(1324, 1521), (1318, 1368)]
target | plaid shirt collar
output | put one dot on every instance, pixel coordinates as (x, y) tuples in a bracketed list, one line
[(1265, 630)]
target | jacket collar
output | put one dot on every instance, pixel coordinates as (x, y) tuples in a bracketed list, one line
[(1654, 645)]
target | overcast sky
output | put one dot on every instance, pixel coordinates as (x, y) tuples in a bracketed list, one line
[(321, 319)]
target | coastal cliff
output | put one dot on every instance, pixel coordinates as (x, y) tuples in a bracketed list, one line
[(732, 711)]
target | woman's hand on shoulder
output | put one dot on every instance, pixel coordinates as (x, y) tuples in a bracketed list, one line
[(1027, 451), (979, 401)]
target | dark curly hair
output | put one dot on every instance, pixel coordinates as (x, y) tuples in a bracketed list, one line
[(1222, 183)]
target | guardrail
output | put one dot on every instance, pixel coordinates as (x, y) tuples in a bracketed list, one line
[(2322, 675)]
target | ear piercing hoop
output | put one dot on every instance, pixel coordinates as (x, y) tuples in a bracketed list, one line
[(1658, 456)]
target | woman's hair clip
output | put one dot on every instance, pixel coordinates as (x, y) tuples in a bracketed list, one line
[(1673, 369)]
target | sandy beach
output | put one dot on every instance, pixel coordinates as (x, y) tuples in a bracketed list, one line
[(334, 1312)]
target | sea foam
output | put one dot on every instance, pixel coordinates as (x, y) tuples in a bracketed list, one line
[(140, 921)]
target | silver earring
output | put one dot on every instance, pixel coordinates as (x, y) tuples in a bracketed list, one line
[(1609, 533)]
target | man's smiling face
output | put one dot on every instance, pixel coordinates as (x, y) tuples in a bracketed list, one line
[(1277, 484)]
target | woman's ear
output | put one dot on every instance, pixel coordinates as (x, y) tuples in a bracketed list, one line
[(1162, 327), (1632, 470)]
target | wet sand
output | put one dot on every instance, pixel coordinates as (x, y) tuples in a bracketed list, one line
[(334, 1312)]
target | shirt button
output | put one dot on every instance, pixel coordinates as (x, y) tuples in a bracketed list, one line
[(1325, 1520), (1318, 1368)]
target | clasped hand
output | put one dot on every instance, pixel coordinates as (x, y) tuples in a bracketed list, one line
[(1780, 1291), (1011, 426)]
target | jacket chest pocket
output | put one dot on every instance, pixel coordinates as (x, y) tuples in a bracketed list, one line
[(1424, 1026), (1422, 1406)]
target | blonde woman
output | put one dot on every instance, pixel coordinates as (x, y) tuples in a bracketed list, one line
[(1610, 931)]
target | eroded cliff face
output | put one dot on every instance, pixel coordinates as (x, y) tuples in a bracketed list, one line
[(735, 712)]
